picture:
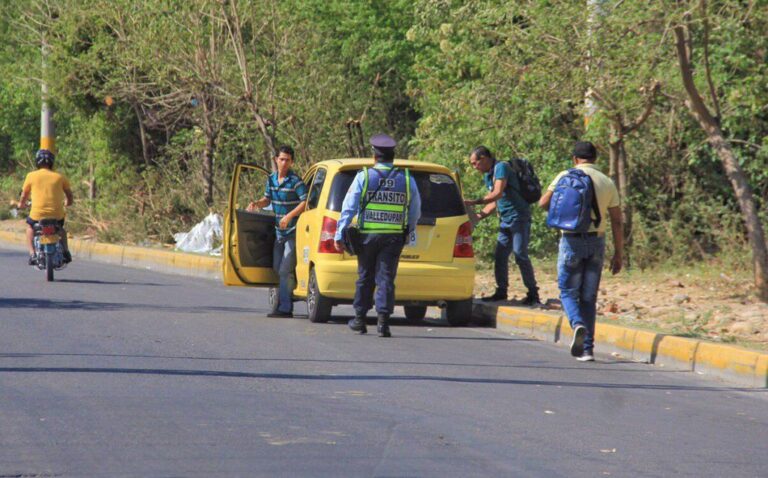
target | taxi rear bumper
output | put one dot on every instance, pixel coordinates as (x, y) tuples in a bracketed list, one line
[(416, 282)]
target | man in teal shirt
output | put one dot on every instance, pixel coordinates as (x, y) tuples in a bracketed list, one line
[(515, 223)]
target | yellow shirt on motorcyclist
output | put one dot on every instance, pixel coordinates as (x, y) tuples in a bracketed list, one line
[(46, 190)]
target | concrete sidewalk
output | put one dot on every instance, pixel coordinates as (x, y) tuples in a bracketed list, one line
[(732, 364)]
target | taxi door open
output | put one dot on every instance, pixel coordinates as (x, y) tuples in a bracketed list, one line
[(249, 236)]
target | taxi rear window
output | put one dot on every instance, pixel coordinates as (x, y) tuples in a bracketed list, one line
[(439, 193)]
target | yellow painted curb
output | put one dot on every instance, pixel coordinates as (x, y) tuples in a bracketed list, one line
[(731, 363), (13, 237), (725, 360), (618, 337), (134, 256), (761, 371), (642, 347)]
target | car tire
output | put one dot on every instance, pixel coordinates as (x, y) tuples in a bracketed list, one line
[(415, 312), (273, 301), (318, 306), (458, 313)]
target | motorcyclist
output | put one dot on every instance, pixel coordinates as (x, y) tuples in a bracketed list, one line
[(48, 190)]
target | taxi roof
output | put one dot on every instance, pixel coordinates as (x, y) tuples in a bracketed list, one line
[(349, 163)]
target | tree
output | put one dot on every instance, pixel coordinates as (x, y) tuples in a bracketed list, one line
[(709, 117)]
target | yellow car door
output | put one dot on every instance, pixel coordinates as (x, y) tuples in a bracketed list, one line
[(249, 236), (308, 228)]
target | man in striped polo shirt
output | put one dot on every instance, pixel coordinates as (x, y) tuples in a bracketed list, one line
[(287, 193)]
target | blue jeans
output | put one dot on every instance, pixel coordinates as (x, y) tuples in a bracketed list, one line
[(284, 264), (377, 267), (513, 238), (579, 266)]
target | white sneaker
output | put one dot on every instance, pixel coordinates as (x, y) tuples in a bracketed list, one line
[(577, 343), (586, 357)]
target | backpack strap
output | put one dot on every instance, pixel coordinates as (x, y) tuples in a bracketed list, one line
[(595, 207)]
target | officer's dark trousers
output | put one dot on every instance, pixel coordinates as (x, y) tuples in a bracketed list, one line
[(377, 267)]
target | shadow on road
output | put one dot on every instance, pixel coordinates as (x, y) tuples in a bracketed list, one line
[(37, 303), (399, 321), (106, 282), (350, 377), (354, 362)]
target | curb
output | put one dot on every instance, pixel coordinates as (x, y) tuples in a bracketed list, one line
[(170, 262), (733, 364), (727, 362)]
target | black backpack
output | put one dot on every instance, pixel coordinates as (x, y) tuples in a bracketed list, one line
[(530, 186)]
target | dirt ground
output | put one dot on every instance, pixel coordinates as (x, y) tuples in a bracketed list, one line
[(703, 302)]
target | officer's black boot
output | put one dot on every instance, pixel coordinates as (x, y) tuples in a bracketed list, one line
[(500, 294), (358, 324), (532, 298), (383, 326)]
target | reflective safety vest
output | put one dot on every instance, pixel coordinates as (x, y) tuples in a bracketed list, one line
[(386, 205)]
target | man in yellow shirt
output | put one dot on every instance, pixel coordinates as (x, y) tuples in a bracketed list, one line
[(48, 191), (580, 260)]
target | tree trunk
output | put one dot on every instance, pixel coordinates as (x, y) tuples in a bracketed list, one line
[(624, 188), (208, 152), (142, 134), (746, 200), (613, 161), (619, 173), (733, 171)]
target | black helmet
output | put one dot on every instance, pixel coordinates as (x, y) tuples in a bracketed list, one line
[(44, 158)]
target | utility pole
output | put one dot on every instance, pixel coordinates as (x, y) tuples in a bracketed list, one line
[(47, 134), (595, 8)]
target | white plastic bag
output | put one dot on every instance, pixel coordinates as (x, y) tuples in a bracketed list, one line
[(202, 237)]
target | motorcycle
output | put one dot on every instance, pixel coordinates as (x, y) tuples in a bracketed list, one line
[(48, 247)]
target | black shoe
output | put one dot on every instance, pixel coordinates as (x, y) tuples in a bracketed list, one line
[(358, 324), (587, 356), (280, 315), (32, 260), (382, 326), (497, 296), (67, 257), (577, 344), (532, 298)]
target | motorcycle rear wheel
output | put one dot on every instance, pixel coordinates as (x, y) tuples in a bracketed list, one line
[(49, 267)]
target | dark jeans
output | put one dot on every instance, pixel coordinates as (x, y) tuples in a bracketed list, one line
[(579, 267), (513, 238), (377, 267), (284, 263)]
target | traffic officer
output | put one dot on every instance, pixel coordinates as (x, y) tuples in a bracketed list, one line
[(387, 204)]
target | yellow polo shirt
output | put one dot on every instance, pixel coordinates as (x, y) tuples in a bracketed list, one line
[(46, 190), (605, 191)]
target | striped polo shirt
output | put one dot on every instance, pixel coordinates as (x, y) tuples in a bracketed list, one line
[(284, 197)]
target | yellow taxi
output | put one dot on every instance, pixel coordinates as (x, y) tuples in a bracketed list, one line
[(438, 270)]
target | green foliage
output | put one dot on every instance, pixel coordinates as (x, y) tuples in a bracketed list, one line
[(443, 76)]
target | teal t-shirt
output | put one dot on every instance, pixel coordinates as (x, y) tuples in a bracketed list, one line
[(511, 206)]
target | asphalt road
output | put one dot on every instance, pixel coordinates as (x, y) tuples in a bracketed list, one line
[(116, 372)]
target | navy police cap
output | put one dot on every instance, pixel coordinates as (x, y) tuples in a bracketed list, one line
[(383, 141)]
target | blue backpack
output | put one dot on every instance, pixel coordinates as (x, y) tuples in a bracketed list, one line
[(573, 202)]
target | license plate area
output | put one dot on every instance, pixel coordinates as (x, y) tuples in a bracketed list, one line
[(49, 239)]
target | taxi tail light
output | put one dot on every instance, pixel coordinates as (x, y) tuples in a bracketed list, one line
[(463, 246), (327, 233)]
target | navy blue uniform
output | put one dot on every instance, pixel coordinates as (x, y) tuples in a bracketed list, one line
[(390, 212)]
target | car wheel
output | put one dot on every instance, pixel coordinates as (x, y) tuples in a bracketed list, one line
[(415, 312), (318, 306), (273, 301), (458, 313)]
